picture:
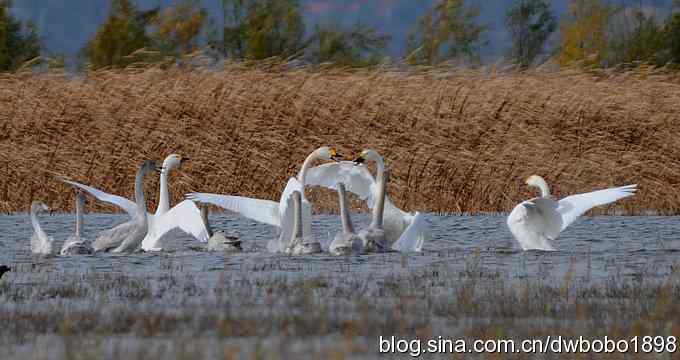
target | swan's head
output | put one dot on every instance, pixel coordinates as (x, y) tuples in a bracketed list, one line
[(39, 207), (538, 182), (328, 153), (366, 156), (173, 161)]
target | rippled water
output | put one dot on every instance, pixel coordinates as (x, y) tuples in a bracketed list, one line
[(595, 248)]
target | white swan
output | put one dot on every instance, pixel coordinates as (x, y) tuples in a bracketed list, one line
[(345, 242), (301, 243), (41, 244), (76, 245), (220, 240), (274, 213), (184, 215), (405, 232), (130, 234), (537, 222), (373, 238)]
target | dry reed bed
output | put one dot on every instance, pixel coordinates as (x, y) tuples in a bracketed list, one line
[(456, 141)]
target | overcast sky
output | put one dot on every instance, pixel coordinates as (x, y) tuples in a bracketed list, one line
[(65, 25)]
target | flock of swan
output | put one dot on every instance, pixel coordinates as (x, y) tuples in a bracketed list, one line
[(534, 223)]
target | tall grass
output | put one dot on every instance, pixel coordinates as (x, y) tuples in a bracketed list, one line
[(456, 141)]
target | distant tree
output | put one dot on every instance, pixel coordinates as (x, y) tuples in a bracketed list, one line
[(639, 38), (446, 31), (259, 29), (671, 37), (530, 24), (178, 27), (18, 42), (123, 32), (358, 46), (585, 35)]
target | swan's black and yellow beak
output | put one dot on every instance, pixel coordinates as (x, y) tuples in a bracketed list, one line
[(360, 159), (334, 155), (182, 160)]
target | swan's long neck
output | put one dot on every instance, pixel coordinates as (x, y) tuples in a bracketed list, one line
[(379, 208), (543, 186), (79, 214), (344, 210), (164, 196), (305, 166), (36, 224), (204, 216), (297, 221), (139, 194)]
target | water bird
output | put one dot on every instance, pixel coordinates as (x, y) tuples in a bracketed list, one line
[(41, 244), (373, 238), (3, 270), (76, 244), (185, 215), (537, 222), (301, 243), (345, 242), (220, 240), (405, 232), (278, 214)]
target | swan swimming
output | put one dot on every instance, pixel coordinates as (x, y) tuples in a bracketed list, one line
[(127, 237), (219, 240), (76, 245), (405, 232), (537, 222), (278, 214), (345, 242), (301, 243), (373, 238), (184, 215), (41, 244)]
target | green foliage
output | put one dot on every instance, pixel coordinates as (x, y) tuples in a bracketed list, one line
[(178, 28), (123, 33), (446, 31), (259, 29), (530, 23), (585, 36), (18, 42), (359, 46), (671, 38)]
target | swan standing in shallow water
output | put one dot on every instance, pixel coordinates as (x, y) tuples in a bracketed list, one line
[(41, 244), (184, 215), (219, 240), (278, 214), (537, 222), (76, 245), (301, 243), (373, 237), (346, 242), (405, 232)]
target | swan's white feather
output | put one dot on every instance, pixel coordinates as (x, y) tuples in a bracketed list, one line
[(415, 235), (359, 181), (574, 206), (127, 205), (264, 211), (185, 216)]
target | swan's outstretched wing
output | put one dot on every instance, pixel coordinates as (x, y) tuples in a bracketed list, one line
[(129, 206), (264, 211), (415, 235), (184, 216), (574, 206)]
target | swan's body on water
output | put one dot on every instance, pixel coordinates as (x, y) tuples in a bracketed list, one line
[(537, 222), (220, 240), (301, 243), (41, 244), (185, 215), (278, 214), (373, 237), (345, 242), (405, 232), (76, 244)]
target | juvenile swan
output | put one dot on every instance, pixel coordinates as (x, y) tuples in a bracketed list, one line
[(272, 212), (219, 240), (300, 243), (537, 222), (346, 242), (41, 244), (373, 238), (184, 215), (127, 237), (76, 245), (405, 232)]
